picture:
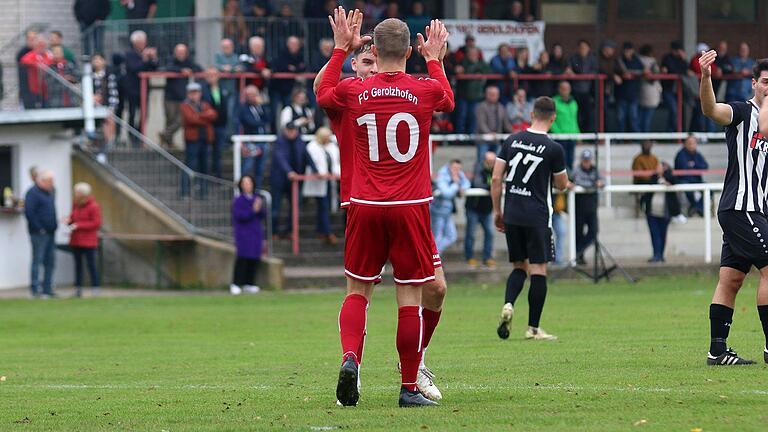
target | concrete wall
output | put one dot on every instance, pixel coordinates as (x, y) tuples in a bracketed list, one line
[(197, 263), (44, 146)]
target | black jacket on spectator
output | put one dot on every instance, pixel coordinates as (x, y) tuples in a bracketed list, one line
[(221, 108), (481, 179), (287, 62), (88, 12), (288, 156), (583, 66), (176, 88), (40, 210), (672, 201), (134, 64), (255, 119), (673, 65), (140, 9), (630, 88)]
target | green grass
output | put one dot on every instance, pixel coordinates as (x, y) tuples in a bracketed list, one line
[(630, 357)]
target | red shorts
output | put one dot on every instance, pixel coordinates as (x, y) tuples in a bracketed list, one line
[(400, 234), (436, 260)]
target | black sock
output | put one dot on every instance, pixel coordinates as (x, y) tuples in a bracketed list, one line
[(720, 318), (537, 293), (515, 283), (762, 310)]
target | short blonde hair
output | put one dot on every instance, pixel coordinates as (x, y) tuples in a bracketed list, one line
[(83, 189), (391, 38)]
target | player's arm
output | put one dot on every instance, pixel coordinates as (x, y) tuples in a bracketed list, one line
[(496, 183), (346, 36), (720, 113), (561, 181), (433, 50), (319, 77), (762, 119)]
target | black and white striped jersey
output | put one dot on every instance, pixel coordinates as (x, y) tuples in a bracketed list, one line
[(745, 186)]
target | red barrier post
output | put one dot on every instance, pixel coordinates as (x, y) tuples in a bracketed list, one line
[(600, 104), (295, 215)]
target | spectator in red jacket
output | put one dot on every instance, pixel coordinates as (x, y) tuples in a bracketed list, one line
[(84, 222), (197, 117), (33, 61)]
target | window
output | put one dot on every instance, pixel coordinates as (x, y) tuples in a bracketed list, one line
[(727, 10), (569, 11), (6, 170), (659, 10)]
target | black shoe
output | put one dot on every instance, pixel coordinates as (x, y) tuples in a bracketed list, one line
[(765, 354), (728, 358), (413, 399), (346, 390)]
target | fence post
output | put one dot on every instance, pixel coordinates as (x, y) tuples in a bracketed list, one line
[(572, 225), (609, 170), (295, 215), (90, 122), (707, 225), (237, 159)]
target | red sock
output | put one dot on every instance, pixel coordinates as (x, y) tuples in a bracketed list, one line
[(410, 329), (352, 325), (431, 318)]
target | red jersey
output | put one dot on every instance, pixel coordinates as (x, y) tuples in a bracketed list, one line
[(341, 125), (391, 115)]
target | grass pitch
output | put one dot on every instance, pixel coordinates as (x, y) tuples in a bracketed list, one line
[(630, 357)]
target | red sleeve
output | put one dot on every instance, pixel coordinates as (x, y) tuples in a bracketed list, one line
[(329, 94), (445, 101)]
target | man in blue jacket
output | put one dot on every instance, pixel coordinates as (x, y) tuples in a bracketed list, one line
[(289, 160), (450, 184), (255, 118), (689, 158), (40, 210)]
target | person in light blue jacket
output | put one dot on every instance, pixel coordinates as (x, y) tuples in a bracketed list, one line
[(450, 184)]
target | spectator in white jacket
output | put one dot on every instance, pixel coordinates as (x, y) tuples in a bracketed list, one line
[(324, 153)]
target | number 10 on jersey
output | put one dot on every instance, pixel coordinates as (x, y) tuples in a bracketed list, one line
[(369, 120)]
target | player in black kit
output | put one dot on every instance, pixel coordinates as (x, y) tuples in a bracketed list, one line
[(742, 210), (527, 164)]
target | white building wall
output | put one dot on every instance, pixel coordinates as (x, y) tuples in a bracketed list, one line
[(35, 145)]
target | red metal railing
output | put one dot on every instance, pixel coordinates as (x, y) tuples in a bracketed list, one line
[(242, 77)]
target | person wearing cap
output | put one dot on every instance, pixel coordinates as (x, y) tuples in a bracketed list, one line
[(606, 65), (586, 175), (674, 62), (628, 90), (289, 160), (197, 118), (699, 122)]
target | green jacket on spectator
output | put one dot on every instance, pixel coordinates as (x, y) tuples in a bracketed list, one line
[(567, 119), (473, 90)]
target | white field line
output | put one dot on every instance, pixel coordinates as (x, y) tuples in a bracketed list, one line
[(448, 387)]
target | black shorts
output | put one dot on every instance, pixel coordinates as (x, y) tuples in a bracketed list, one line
[(534, 244), (745, 240)]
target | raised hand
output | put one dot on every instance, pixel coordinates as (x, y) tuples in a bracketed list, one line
[(346, 29), (357, 24), (705, 61), (433, 48)]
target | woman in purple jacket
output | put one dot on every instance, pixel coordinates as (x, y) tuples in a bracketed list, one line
[(247, 217)]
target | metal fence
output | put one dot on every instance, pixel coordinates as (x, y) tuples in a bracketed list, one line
[(198, 201), (112, 37)]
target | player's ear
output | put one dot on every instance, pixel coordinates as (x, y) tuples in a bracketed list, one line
[(354, 64), (408, 52)]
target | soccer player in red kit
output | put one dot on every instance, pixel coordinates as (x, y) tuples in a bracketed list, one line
[(388, 215), (433, 292)]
